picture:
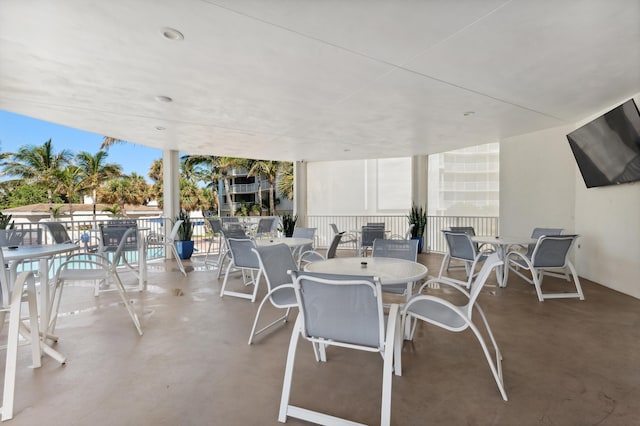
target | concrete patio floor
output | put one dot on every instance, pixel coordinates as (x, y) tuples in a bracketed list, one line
[(566, 362)]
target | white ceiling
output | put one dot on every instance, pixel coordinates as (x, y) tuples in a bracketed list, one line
[(313, 79)]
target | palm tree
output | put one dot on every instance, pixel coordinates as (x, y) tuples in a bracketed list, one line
[(125, 190), (39, 164), (70, 184), (268, 169), (108, 142), (285, 179), (95, 170)]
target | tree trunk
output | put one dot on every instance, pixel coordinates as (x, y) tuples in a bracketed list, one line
[(260, 194), (50, 198), (272, 201), (228, 194), (94, 195)]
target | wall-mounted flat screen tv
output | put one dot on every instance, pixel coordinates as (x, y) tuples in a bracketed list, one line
[(607, 149)]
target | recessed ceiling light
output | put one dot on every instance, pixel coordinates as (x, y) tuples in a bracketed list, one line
[(468, 113), (160, 128), (171, 34), (161, 98), (347, 150)]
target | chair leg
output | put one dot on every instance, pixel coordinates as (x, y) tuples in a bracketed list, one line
[(288, 372), (178, 260), (445, 262), (576, 280), (254, 333), (496, 370), (132, 313), (226, 277), (394, 327)]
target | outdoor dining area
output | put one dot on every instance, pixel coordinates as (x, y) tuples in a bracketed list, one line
[(335, 333)]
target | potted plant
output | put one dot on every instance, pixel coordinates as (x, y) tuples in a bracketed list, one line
[(418, 217), (288, 224), (184, 241)]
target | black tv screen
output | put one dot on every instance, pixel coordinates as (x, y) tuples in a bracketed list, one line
[(607, 149)]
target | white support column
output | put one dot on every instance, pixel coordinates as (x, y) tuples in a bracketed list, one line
[(171, 189), (420, 184), (300, 192)]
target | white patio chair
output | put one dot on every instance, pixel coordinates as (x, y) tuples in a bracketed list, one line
[(58, 232), (216, 237), (347, 237), (242, 258), (265, 227), (407, 234), (315, 256), (343, 311), (275, 262), (99, 267), (397, 249), (155, 239), (460, 247), (369, 235), (308, 233), (444, 314), (550, 256), (231, 230)]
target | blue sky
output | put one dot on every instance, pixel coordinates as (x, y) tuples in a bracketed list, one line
[(17, 130)]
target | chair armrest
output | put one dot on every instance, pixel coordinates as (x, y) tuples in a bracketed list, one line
[(443, 280)]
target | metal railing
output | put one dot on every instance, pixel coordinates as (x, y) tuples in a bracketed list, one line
[(397, 225)]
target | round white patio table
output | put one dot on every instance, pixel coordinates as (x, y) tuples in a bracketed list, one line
[(388, 270), (289, 241), (502, 245)]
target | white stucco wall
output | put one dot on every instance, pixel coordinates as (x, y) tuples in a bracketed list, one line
[(540, 185), (537, 182)]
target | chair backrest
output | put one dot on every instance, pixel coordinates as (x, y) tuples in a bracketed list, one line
[(10, 237), (374, 224), (265, 225), (58, 232), (345, 309), (216, 225), (241, 253), (115, 235), (466, 229), (20, 237), (460, 245), (308, 233), (333, 247), (539, 232), (481, 279), (230, 219), (237, 232), (552, 251), (334, 228), (370, 234), (275, 261), (174, 231), (397, 249)]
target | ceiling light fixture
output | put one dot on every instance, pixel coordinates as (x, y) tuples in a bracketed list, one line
[(468, 113), (161, 98), (171, 34), (160, 128)]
